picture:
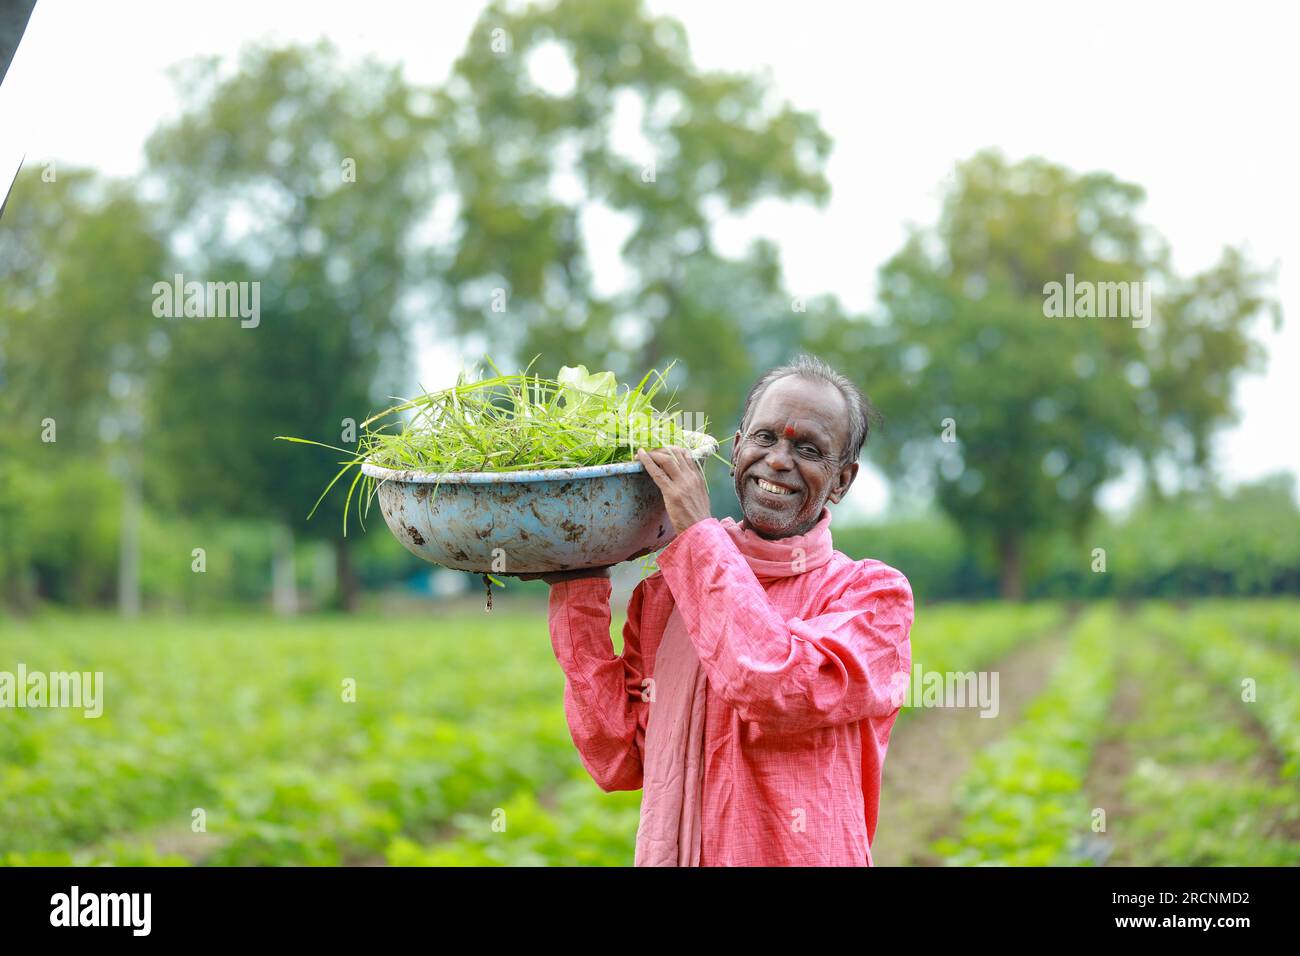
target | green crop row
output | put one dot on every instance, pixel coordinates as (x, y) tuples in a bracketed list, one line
[(455, 749), (1264, 680), (1200, 791), (1022, 801), (1273, 621), (249, 723), (576, 825), (959, 637), (962, 638)]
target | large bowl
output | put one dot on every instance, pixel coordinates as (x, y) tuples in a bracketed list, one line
[(528, 521)]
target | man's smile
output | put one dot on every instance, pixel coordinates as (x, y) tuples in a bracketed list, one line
[(773, 488)]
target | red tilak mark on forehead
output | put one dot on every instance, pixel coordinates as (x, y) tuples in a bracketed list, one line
[(789, 432)]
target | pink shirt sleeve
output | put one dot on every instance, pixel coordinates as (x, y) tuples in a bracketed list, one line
[(603, 694), (790, 674)]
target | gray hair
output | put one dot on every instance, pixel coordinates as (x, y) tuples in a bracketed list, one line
[(861, 411)]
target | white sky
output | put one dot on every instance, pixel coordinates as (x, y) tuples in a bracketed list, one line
[(1195, 103)]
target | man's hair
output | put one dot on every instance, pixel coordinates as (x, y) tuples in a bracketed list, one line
[(861, 412)]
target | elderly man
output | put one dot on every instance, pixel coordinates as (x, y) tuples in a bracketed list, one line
[(762, 670)]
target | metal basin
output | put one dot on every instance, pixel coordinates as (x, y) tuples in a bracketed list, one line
[(527, 521)]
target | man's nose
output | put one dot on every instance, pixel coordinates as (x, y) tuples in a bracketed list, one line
[(778, 456)]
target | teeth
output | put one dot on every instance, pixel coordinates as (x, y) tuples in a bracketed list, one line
[(768, 486)]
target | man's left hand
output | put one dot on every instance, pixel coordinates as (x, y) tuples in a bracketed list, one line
[(681, 482)]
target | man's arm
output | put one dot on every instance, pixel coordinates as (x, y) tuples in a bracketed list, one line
[(793, 674), (603, 694)]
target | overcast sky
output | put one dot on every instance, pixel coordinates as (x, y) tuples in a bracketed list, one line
[(1195, 103)]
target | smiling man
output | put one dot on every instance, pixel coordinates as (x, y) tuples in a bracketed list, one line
[(762, 670)]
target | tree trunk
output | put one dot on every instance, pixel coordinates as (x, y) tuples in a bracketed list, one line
[(15, 589), (1011, 565), (284, 584), (323, 575), (347, 578), (14, 592), (128, 566)]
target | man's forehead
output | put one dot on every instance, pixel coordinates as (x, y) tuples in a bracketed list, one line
[(804, 403)]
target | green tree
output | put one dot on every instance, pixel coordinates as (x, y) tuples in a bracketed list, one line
[(307, 178), (76, 335), (531, 160), (77, 354), (1016, 419)]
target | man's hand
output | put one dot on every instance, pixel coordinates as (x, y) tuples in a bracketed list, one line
[(555, 577), (681, 482)]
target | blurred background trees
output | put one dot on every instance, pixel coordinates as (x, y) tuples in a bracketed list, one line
[(532, 158), (367, 207), (308, 179), (76, 360), (1017, 419)]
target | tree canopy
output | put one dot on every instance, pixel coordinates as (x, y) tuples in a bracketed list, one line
[(532, 159), (1017, 418)]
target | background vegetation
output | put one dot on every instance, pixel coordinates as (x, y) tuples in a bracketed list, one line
[(373, 211)]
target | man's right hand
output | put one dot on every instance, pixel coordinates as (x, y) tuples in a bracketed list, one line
[(555, 577)]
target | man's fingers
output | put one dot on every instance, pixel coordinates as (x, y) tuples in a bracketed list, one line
[(651, 466), (669, 463), (687, 468), (666, 459)]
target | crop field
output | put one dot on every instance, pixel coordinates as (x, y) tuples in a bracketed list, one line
[(1115, 735)]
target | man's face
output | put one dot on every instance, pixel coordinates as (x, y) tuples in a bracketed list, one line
[(795, 440)]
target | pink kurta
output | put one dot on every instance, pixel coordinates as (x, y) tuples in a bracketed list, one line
[(804, 651)]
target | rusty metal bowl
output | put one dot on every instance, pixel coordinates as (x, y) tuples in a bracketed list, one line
[(528, 521)]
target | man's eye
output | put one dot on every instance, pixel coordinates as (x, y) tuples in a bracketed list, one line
[(810, 451), (763, 438)]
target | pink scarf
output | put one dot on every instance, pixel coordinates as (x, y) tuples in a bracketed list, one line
[(673, 771)]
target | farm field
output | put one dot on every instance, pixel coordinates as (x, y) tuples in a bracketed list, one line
[(1120, 737)]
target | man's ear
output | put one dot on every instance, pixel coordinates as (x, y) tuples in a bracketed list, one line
[(735, 443), (846, 476)]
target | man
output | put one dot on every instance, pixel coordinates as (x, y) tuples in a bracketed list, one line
[(762, 670)]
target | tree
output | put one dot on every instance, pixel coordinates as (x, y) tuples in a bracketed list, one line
[(77, 350), (532, 162), (1017, 418), (307, 179)]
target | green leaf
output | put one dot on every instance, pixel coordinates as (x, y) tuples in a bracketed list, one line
[(579, 388)]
